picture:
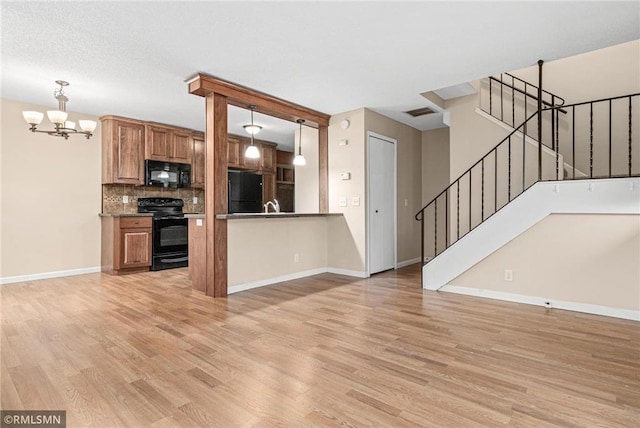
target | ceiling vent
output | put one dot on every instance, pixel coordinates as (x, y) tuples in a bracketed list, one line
[(422, 111)]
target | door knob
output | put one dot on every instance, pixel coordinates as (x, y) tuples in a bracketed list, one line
[(376, 211)]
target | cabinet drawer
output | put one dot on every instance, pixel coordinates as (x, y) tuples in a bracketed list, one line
[(133, 222)]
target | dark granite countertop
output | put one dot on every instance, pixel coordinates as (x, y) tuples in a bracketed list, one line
[(126, 215), (242, 216)]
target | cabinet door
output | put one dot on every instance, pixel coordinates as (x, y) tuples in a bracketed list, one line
[(197, 162), (125, 147), (158, 144), (268, 158), (268, 187), (181, 146), (233, 152), (135, 248)]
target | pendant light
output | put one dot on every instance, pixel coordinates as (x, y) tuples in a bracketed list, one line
[(299, 160), (252, 151)]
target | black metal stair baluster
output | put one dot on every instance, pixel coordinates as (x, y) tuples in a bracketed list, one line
[(482, 194), (501, 99), (524, 154), (553, 125), (446, 219), (495, 181), (573, 139), (513, 103), (591, 140), (630, 159), (469, 201), (422, 262), (525, 107), (435, 228), (554, 122), (458, 211), (509, 171), (490, 97), (610, 148), (558, 149)]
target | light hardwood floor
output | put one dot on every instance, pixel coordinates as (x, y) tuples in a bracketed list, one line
[(145, 350)]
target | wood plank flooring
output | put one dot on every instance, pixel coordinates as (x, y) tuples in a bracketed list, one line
[(146, 350)]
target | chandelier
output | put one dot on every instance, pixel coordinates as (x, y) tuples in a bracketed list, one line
[(63, 127)]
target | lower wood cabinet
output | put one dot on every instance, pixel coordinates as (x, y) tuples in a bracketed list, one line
[(126, 244)]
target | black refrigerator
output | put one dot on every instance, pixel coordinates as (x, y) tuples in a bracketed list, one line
[(245, 192)]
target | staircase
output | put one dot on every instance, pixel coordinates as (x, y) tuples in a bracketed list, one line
[(549, 142)]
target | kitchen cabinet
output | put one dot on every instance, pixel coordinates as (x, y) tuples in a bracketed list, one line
[(167, 144), (233, 151), (268, 187), (267, 157), (197, 160), (122, 151), (126, 244)]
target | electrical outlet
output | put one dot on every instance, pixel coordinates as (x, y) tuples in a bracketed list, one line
[(125, 199), (195, 199), (296, 257), (406, 202), (342, 201), (355, 201), (508, 275)]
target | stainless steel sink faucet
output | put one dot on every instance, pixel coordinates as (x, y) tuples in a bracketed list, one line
[(276, 206)]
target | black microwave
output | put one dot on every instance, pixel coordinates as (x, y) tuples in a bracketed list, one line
[(167, 174)]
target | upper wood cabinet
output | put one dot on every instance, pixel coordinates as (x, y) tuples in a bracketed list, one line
[(122, 151), (167, 144), (233, 151), (268, 157), (197, 160)]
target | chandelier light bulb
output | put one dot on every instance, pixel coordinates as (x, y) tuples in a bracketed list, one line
[(33, 117), (87, 125), (56, 116)]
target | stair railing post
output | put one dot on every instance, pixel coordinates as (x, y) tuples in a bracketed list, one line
[(540, 62)]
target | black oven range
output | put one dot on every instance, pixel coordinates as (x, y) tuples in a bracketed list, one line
[(170, 233)]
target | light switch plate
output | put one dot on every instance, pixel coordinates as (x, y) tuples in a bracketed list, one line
[(198, 222), (355, 201), (342, 201), (125, 199), (195, 199), (345, 176)]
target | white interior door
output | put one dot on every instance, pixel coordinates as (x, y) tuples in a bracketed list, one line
[(381, 204)]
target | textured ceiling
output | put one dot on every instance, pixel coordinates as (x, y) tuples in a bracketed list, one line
[(132, 58)]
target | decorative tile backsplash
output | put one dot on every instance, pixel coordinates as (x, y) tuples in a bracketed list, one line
[(112, 195)]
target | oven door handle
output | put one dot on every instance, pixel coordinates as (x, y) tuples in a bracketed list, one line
[(176, 260)]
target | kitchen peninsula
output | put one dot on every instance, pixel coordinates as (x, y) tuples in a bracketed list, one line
[(263, 248), (221, 236)]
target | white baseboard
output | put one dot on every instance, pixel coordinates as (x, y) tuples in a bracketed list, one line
[(255, 284), (46, 275), (289, 277), (347, 272), (407, 262), (606, 311)]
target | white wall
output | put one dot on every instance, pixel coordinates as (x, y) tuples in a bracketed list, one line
[(51, 197), (585, 258), (347, 239)]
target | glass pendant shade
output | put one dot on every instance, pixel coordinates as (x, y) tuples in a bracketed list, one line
[(252, 129), (56, 116), (33, 117), (299, 160), (87, 125), (69, 124), (252, 152)]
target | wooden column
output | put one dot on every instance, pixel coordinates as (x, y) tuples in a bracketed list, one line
[(323, 159), (216, 194)]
